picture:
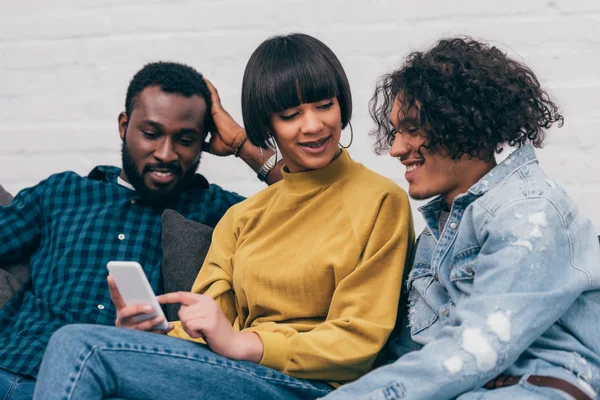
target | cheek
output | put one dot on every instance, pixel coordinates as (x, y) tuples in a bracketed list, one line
[(285, 135), (284, 130), (337, 127), (137, 145), (190, 155), (440, 176), (430, 175), (334, 126), (334, 119)]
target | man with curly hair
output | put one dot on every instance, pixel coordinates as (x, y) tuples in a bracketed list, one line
[(69, 226), (504, 298)]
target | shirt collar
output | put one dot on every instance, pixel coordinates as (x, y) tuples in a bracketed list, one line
[(123, 183), (108, 173), (105, 173)]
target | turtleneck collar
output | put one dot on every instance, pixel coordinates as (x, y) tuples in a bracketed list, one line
[(337, 170)]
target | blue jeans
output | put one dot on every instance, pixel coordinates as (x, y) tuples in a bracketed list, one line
[(15, 387), (97, 362)]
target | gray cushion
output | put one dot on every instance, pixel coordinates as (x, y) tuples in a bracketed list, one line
[(13, 275), (184, 244), (5, 197)]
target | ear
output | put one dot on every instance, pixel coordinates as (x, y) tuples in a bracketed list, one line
[(123, 121)]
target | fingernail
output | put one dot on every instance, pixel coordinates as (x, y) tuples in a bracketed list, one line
[(147, 308)]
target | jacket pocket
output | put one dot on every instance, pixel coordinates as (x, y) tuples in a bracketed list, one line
[(463, 267)]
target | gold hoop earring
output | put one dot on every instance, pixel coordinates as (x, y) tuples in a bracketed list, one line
[(351, 137)]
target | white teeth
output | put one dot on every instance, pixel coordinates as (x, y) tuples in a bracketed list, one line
[(163, 173), (412, 167), (315, 144)]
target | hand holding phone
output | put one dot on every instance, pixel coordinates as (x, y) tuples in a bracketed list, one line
[(137, 307)]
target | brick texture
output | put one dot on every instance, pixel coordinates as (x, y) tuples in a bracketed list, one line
[(65, 66)]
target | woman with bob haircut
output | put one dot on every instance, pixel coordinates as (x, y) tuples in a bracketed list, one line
[(300, 288)]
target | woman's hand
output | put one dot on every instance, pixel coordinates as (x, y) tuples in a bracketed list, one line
[(225, 134), (201, 317), (126, 314)]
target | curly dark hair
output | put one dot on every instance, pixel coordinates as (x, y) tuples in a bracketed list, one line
[(470, 99), (171, 77)]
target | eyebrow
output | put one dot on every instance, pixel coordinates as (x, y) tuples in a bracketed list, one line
[(153, 124), (186, 131)]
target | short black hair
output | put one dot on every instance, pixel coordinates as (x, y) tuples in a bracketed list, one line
[(286, 71), (471, 97), (173, 78)]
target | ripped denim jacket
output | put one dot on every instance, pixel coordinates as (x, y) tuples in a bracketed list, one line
[(510, 286)]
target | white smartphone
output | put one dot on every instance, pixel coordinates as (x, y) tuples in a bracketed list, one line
[(135, 289)]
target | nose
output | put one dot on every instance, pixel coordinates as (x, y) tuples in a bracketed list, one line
[(311, 123), (400, 146), (165, 152)]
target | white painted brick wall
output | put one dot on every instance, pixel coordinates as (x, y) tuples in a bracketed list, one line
[(65, 66)]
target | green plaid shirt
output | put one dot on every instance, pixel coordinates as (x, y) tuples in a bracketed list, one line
[(70, 227)]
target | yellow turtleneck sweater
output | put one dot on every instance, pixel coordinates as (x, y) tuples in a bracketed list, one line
[(313, 265)]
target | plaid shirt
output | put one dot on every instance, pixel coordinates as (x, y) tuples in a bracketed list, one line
[(70, 227)]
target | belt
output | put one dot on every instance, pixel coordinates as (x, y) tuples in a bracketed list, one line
[(544, 381)]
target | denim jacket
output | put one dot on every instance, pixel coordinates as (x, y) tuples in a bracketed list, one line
[(510, 286)]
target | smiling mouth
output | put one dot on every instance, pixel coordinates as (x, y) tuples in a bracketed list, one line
[(412, 167), (163, 174), (162, 177), (314, 145)]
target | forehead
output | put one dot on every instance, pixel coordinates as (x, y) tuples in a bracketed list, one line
[(169, 109)]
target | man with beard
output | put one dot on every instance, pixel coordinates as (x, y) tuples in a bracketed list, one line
[(70, 226)]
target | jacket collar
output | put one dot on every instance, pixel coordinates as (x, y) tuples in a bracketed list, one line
[(522, 156), (517, 159)]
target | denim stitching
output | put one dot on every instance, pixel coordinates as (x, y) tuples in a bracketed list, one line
[(12, 387), (227, 364), (82, 361)]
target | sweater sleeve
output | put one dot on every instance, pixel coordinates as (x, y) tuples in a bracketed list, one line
[(215, 278), (362, 312)]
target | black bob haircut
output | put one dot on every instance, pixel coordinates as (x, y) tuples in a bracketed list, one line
[(470, 99), (286, 71), (173, 78)]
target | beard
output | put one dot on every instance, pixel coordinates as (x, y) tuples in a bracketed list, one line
[(156, 197)]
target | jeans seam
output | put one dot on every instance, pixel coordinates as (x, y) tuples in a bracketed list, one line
[(295, 382), (12, 387), (80, 372)]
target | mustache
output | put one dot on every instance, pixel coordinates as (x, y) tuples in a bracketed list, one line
[(172, 167)]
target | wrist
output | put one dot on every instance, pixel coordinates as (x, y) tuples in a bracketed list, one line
[(252, 155), (267, 166), (250, 347), (240, 146), (236, 132)]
